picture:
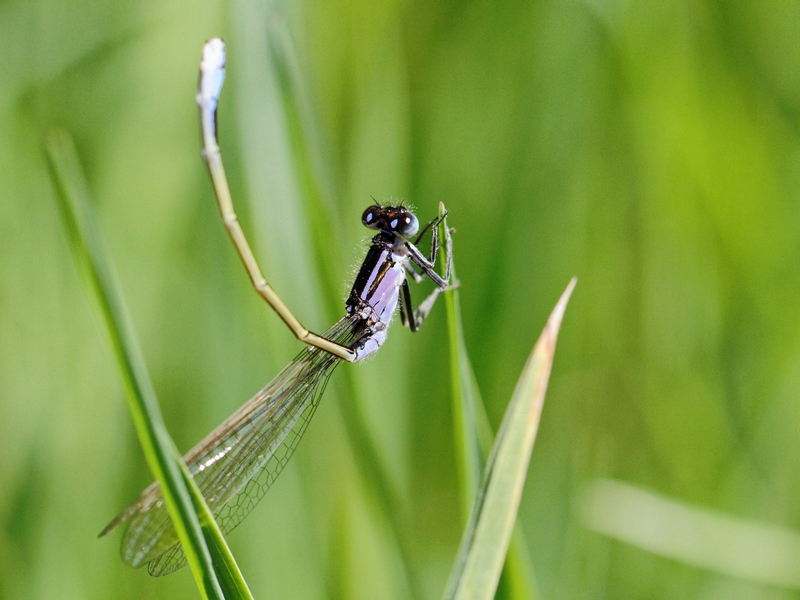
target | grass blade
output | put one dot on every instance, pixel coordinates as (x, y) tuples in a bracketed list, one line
[(473, 437), (230, 577), (483, 547), (466, 396), (193, 523)]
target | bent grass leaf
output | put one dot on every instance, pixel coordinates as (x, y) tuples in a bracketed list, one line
[(197, 531), (483, 548)]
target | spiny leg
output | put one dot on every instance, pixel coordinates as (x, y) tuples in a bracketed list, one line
[(427, 264), (212, 75), (406, 309), (412, 272), (413, 318), (416, 276)]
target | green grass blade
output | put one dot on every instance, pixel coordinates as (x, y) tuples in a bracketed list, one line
[(518, 580), (193, 523), (473, 441), (466, 396), (483, 547), (230, 577)]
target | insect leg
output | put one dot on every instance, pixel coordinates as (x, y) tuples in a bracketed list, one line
[(413, 318)]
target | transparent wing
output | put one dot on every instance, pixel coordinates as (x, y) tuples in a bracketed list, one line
[(236, 464)]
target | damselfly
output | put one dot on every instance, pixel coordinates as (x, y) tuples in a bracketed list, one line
[(235, 464)]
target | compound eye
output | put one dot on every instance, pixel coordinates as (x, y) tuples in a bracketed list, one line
[(370, 217), (407, 224)]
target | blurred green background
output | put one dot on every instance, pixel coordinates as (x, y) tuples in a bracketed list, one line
[(650, 148)]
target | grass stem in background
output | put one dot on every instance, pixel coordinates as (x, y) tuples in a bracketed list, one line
[(387, 500), (747, 549)]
